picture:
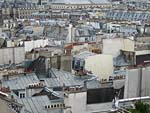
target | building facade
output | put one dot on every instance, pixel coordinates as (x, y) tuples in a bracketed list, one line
[(19, 9), (79, 4)]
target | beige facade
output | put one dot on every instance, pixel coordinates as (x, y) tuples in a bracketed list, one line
[(113, 46), (26, 12), (78, 6), (10, 73), (73, 100), (3, 106), (92, 47), (9, 106), (128, 45), (100, 65), (21, 13)]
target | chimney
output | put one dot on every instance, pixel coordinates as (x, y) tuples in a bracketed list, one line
[(69, 39), (12, 97), (85, 84), (58, 62), (0, 83)]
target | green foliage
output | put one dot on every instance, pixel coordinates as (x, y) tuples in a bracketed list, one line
[(134, 111), (141, 108)]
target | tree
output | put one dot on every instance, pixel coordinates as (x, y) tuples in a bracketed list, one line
[(141, 108)]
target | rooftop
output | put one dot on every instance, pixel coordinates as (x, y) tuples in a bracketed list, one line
[(84, 55), (37, 104), (60, 78), (20, 82), (82, 1)]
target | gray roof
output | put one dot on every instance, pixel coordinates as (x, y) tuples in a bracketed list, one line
[(128, 15), (82, 1), (84, 55), (58, 79), (121, 61), (84, 30), (37, 104), (61, 78), (146, 1), (21, 82)]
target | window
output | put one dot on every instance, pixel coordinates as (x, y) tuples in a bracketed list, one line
[(58, 105), (22, 95)]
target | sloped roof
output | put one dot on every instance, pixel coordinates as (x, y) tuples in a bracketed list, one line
[(37, 104), (21, 82), (60, 78)]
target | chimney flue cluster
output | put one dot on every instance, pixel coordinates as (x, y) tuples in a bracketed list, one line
[(73, 89), (36, 85), (5, 89)]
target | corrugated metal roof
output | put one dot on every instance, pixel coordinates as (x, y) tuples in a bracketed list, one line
[(37, 104), (61, 78), (128, 15), (21, 82), (58, 79)]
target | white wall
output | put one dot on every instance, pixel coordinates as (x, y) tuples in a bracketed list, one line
[(13, 54), (143, 52), (146, 82), (77, 102), (101, 65), (113, 46), (10, 43), (99, 108), (29, 45), (32, 91), (132, 84)]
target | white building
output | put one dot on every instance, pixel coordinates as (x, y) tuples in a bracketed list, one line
[(137, 82), (29, 45), (76, 101), (79, 4), (113, 46), (12, 55), (101, 65)]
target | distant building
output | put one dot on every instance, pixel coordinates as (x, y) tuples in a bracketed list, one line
[(31, 44), (81, 33), (79, 4), (138, 4), (19, 9), (12, 55), (128, 15)]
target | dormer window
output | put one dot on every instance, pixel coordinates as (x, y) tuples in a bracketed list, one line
[(22, 95)]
